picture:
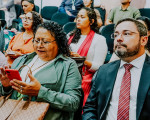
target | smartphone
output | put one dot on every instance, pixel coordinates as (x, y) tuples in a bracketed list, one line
[(11, 53), (13, 74)]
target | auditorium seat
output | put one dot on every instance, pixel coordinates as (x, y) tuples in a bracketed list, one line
[(106, 32)]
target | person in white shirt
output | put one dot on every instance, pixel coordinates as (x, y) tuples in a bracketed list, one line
[(84, 41), (120, 90)]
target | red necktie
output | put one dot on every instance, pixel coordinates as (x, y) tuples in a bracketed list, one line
[(124, 97)]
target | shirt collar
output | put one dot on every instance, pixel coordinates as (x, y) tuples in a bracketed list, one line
[(128, 9), (138, 62), (59, 56)]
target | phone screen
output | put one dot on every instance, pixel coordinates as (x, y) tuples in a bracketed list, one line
[(13, 74)]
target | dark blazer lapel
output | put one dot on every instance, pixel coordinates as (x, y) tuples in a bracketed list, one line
[(143, 86), (110, 81)]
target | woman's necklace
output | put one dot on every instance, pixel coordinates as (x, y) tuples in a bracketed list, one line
[(35, 68), (39, 66)]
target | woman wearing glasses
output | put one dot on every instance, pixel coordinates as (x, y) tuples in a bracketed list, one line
[(55, 77), (22, 43)]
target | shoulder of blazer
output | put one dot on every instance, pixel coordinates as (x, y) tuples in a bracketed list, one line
[(108, 65), (147, 59)]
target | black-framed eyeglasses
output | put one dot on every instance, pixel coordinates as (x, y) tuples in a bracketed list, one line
[(42, 42), (124, 34)]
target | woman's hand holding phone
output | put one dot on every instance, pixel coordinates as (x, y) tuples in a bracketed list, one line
[(31, 88), (7, 80), (4, 78)]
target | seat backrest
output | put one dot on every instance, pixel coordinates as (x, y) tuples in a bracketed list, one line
[(68, 27), (102, 13), (2, 14), (48, 11), (3, 23), (37, 9), (145, 12), (2, 39), (106, 32), (60, 18), (18, 9)]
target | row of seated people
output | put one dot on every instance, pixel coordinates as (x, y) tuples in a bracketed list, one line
[(51, 53), (87, 26), (125, 11), (55, 77), (67, 6)]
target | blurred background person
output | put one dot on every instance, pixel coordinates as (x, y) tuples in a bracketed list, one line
[(22, 43), (27, 6), (84, 41), (71, 7), (89, 4), (123, 11), (146, 22), (10, 12)]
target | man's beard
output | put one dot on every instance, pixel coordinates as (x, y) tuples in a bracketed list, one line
[(127, 53), (124, 3)]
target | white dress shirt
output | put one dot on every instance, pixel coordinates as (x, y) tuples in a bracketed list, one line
[(135, 78)]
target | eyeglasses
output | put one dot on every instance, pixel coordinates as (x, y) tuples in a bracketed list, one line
[(27, 19), (125, 34), (42, 42)]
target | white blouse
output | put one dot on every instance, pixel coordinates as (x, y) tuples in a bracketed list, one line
[(35, 63), (97, 51)]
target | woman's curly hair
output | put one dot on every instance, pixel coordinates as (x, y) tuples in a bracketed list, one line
[(58, 33), (37, 19), (92, 16)]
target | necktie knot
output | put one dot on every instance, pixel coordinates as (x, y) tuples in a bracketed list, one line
[(128, 66)]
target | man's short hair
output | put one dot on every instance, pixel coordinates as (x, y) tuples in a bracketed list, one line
[(140, 27)]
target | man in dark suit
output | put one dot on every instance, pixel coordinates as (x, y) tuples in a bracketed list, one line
[(121, 89)]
